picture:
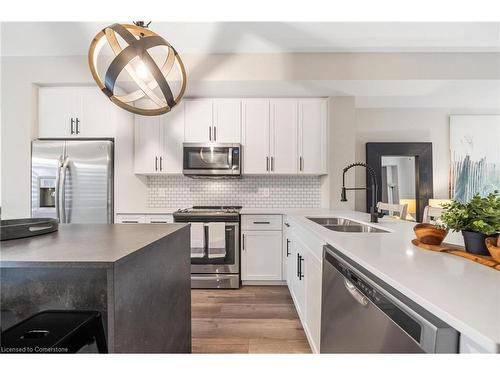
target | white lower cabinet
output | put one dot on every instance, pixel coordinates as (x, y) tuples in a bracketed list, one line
[(261, 255), (130, 219), (144, 219), (313, 276), (303, 275)]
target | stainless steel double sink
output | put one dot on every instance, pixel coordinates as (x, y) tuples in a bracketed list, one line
[(340, 224)]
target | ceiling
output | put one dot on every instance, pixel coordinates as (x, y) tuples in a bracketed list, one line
[(73, 38)]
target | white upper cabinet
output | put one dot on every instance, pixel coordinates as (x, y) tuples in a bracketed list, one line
[(312, 136), (255, 136), (283, 137), (158, 142), (147, 144), (57, 112), (213, 120), (172, 136), (227, 121), (97, 117), (66, 112), (198, 120)]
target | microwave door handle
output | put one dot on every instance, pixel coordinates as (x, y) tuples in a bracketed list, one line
[(230, 158)]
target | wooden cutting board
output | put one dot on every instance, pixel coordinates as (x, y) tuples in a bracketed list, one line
[(459, 251)]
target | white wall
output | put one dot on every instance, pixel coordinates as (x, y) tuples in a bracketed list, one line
[(408, 125)]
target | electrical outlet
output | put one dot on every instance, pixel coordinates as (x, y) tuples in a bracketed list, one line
[(264, 192)]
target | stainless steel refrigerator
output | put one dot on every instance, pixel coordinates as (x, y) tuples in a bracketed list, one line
[(72, 180)]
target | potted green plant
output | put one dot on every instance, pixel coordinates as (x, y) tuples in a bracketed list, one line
[(477, 219)]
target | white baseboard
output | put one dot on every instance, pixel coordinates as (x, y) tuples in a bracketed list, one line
[(266, 282)]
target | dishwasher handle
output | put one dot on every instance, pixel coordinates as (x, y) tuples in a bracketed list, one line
[(357, 295)]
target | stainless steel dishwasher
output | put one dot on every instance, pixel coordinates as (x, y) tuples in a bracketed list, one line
[(362, 314)]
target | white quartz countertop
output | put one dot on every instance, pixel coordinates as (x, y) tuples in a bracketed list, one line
[(462, 293)]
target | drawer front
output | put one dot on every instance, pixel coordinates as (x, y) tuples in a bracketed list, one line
[(261, 222), (159, 219), (130, 219)]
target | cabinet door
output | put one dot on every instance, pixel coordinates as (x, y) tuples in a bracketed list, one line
[(227, 121), (298, 277), (284, 136), (288, 259), (96, 117), (159, 219), (312, 136), (255, 137), (56, 107), (172, 129), (312, 276), (198, 120), (261, 255), (130, 219), (147, 143)]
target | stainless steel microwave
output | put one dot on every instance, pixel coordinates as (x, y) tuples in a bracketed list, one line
[(212, 159)]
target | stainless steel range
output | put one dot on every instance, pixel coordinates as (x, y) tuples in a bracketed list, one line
[(215, 245)]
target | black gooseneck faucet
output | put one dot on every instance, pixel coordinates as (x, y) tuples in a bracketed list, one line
[(374, 214)]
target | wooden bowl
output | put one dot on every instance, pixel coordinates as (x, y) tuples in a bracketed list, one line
[(429, 234), (493, 248)]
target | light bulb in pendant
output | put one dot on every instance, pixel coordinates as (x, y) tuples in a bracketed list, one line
[(141, 70)]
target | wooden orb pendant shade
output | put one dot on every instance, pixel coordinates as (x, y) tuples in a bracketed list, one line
[(149, 78)]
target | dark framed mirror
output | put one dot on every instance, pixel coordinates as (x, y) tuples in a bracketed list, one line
[(404, 174)]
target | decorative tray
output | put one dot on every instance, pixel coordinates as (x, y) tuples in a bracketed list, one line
[(21, 228), (459, 251)]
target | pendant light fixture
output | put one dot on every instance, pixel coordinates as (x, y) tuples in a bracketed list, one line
[(145, 76)]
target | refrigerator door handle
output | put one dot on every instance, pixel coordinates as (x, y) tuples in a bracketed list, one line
[(63, 190), (58, 179)]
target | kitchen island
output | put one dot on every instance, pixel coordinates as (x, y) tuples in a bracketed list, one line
[(137, 276)]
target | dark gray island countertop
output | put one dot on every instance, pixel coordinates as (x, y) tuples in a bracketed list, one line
[(138, 276), (98, 245)]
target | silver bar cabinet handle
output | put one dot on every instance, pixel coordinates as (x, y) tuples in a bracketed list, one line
[(156, 163), (209, 133), (267, 163), (72, 124), (215, 133), (243, 242), (161, 163), (77, 125)]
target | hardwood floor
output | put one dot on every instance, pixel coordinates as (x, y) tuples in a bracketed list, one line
[(253, 319)]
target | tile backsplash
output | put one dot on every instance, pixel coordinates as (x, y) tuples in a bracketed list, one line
[(249, 191)]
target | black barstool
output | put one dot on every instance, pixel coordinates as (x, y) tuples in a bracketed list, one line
[(55, 331)]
